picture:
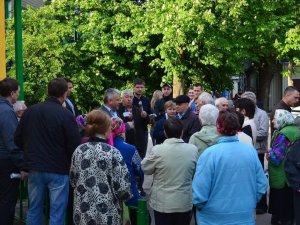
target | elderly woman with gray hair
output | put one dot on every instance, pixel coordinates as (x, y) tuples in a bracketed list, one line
[(208, 134), (281, 195)]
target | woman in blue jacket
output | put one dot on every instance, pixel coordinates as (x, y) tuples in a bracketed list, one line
[(132, 160), (229, 178)]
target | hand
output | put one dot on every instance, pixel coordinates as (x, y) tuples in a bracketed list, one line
[(24, 175), (131, 125), (144, 114)]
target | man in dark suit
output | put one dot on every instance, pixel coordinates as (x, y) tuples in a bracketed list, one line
[(69, 103), (111, 102)]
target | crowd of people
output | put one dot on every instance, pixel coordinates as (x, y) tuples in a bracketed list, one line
[(207, 160)]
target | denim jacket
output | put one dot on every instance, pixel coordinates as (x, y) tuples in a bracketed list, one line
[(8, 124)]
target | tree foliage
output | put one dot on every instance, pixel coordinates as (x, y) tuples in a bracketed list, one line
[(108, 43)]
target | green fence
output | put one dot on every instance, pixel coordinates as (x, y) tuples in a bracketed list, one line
[(142, 211)]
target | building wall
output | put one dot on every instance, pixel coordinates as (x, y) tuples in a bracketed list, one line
[(32, 3)]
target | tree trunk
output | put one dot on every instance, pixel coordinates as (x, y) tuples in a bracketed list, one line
[(178, 85), (266, 70)]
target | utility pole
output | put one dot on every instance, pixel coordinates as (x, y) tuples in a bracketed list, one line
[(19, 46), (2, 40)]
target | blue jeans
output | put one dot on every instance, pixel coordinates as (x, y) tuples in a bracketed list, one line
[(38, 185)]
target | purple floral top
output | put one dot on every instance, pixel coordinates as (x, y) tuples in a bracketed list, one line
[(278, 151)]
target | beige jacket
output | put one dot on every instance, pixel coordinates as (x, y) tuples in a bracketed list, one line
[(172, 165)]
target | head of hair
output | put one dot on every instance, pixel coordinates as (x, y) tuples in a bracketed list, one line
[(156, 96), (126, 92), (8, 85), (208, 114), (206, 98), (169, 104), (247, 105), (57, 87), (197, 85), (139, 81), (219, 100), (241, 118), (250, 95), (109, 94), (117, 126), (69, 80), (97, 122), (289, 90), (173, 128), (283, 118), (228, 123), (297, 121), (19, 106)]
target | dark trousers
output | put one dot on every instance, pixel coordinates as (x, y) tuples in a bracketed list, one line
[(9, 189), (262, 204), (182, 218), (297, 207), (133, 216)]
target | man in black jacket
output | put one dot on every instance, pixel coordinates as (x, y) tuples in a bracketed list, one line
[(48, 134), (10, 155), (167, 90), (292, 170), (191, 122)]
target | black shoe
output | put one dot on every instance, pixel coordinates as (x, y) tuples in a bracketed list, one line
[(287, 222), (275, 220)]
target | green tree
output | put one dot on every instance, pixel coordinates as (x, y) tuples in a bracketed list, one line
[(101, 44)]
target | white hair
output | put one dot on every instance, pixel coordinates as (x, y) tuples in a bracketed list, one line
[(19, 106), (219, 100), (250, 95), (110, 94), (206, 98), (126, 92), (208, 114)]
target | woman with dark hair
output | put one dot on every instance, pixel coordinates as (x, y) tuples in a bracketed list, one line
[(247, 108), (229, 178), (98, 175)]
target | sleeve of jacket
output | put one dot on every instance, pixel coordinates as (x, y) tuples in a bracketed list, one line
[(120, 176), (202, 181), (292, 166), (7, 131), (278, 151), (263, 129), (195, 126), (74, 172), (72, 136), (149, 162), (136, 164), (261, 180), (159, 130)]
